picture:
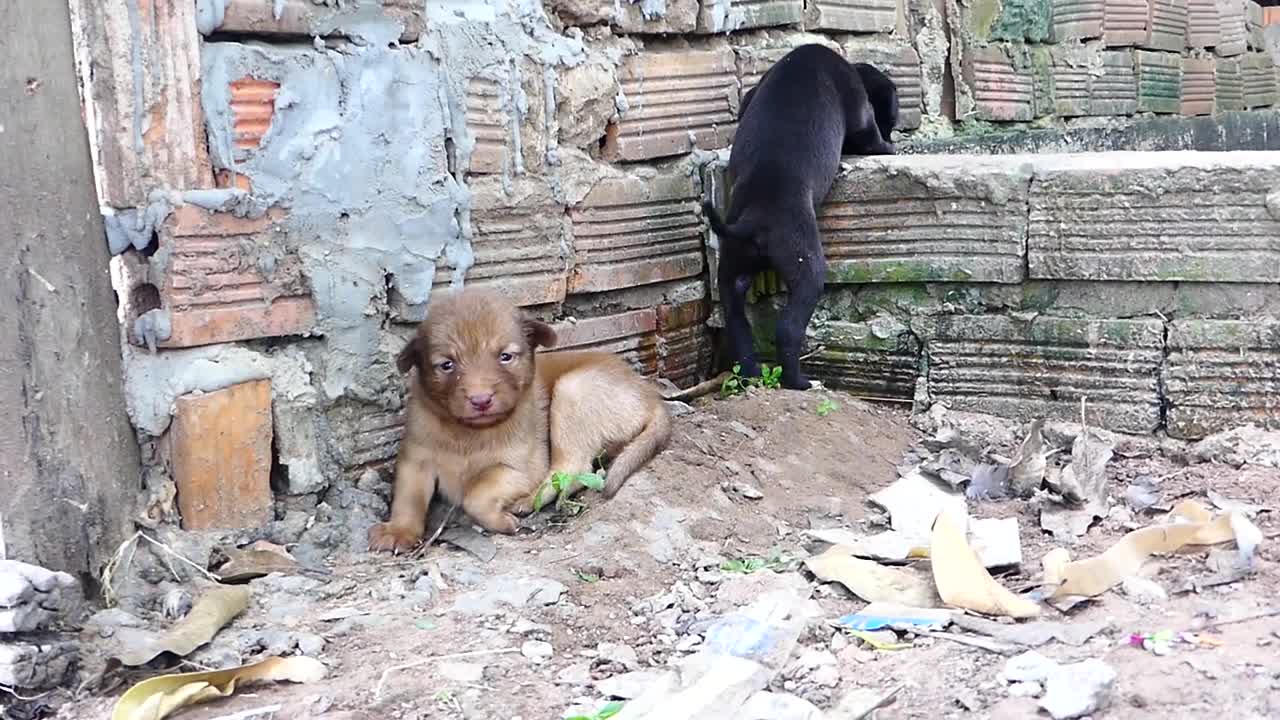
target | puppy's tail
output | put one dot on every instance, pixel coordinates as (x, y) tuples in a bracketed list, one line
[(650, 441), (738, 231)]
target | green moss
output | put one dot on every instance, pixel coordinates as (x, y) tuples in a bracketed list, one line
[(1021, 20), (1039, 296)]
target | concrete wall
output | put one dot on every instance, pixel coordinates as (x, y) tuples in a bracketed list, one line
[(69, 471), (286, 183), (1141, 288)]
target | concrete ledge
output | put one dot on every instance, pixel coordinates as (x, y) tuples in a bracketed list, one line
[(1222, 373), (1045, 366), (1145, 284)]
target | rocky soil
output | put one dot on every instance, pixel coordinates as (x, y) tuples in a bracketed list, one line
[(578, 610)]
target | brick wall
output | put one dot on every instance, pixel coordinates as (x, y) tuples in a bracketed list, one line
[(287, 184)]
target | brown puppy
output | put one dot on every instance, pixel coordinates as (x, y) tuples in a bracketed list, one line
[(488, 420)]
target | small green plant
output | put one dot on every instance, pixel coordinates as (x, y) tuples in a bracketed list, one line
[(561, 481), (604, 713), (826, 407), (586, 577), (770, 379), (747, 565)]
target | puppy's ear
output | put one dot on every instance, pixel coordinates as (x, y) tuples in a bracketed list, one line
[(411, 355), (538, 333)]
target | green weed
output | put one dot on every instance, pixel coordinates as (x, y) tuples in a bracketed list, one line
[(747, 565), (560, 481), (826, 406), (770, 379), (604, 713)]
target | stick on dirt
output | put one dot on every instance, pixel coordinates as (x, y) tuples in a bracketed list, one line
[(705, 387), (377, 693)]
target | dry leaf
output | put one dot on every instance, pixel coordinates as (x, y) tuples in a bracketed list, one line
[(962, 581), (1096, 575), (871, 581), (158, 697), (215, 608), (914, 500), (888, 546), (1027, 473), (247, 564)]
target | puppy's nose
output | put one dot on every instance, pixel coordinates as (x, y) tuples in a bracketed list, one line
[(481, 402)]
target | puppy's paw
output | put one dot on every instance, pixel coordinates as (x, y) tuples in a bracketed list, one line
[(748, 369), (798, 382), (387, 537), (500, 522)]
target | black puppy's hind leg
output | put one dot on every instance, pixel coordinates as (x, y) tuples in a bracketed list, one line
[(863, 135), (735, 280), (803, 268)]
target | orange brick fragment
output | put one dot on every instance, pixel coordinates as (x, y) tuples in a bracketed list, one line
[(220, 453)]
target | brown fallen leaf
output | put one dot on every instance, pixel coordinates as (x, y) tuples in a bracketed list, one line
[(963, 582), (158, 697), (249, 563), (870, 580), (1027, 473), (1094, 576), (214, 609)]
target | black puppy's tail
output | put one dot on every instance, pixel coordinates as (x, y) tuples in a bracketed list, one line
[(740, 231)]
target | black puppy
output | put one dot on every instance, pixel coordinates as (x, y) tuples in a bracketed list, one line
[(810, 108)]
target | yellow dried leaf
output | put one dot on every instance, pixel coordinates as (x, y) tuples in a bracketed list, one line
[(215, 608), (158, 697), (870, 580), (1094, 576), (963, 582)]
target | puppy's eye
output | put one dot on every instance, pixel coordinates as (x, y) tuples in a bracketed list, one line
[(505, 357), (445, 366)]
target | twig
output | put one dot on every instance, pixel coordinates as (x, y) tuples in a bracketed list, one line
[(252, 713), (212, 576), (382, 680), (422, 549), (983, 643), (877, 398), (705, 387), (11, 691), (813, 352), (1272, 612), (114, 565)]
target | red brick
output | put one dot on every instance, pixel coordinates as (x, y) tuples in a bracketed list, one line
[(253, 103), (631, 334), (1197, 86), (229, 179), (214, 291), (220, 454), (1204, 26), (633, 231), (718, 16), (1233, 32), (489, 112), (1001, 91), (1258, 72), (304, 18), (156, 84), (1155, 24), (684, 341), (1077, 19), (676, 101), (518, 237), (867, 16), (367, 437)]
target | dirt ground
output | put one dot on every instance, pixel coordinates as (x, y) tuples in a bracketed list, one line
[(630, 583)]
